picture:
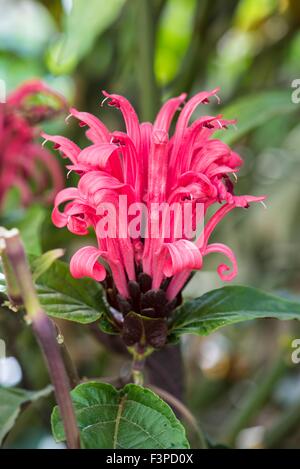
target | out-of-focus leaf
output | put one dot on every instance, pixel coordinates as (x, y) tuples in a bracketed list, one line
[(11, 400), (41, 264), (229, 305), (132, 418), (253, 111), (28, 222), (81, 27), (30, 229), (173, 38), (249, 15), (14, 70)]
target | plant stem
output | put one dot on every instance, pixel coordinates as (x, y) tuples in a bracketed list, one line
[(45, 332), (184, 412), (254, 400), (137, 368), (20, 270), (148, 89)]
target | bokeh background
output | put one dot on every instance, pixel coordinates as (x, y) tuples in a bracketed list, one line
[(240, 383)]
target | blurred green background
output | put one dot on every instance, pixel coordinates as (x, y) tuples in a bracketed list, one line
[(241, 384)]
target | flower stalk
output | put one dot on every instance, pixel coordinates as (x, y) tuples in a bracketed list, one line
[(139, 354), (44, 330)]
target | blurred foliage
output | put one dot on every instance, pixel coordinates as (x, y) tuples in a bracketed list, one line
[(251, 50)]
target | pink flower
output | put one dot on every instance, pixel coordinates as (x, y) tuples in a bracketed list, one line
[(24, 163), (147, 165)]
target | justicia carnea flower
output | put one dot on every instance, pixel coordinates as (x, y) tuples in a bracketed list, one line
[(144, 276), (24, 163)]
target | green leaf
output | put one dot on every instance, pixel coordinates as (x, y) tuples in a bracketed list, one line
[(106, 325), (64, 297), (132, 418), (229, 305), (81, 27), (11, 400), (41, 264), (253, 111)]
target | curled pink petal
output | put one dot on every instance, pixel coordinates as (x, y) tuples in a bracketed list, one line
[(58, 218), (97, 131), (183, 120), (182, 255), (129, 114), (66, 146), (245, 200), (85, 263), (225, 272)]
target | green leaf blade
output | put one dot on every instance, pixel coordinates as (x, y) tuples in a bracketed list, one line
[(229, 305), (132, 418), (11, 400), (64, 297)]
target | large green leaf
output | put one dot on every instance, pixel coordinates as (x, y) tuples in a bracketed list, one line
[(82, 25), (131, 418), (64, 297), (11, 400), (229, 305), (253, 111)]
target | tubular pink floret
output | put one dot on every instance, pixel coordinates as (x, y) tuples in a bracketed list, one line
[(68, 148), (129, 114), (97, 131)]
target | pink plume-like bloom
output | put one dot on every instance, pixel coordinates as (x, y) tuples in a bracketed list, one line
[(148, 165), (24, 163)]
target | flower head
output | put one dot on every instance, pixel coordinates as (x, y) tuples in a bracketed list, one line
[(25, 164), (147, 165)]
